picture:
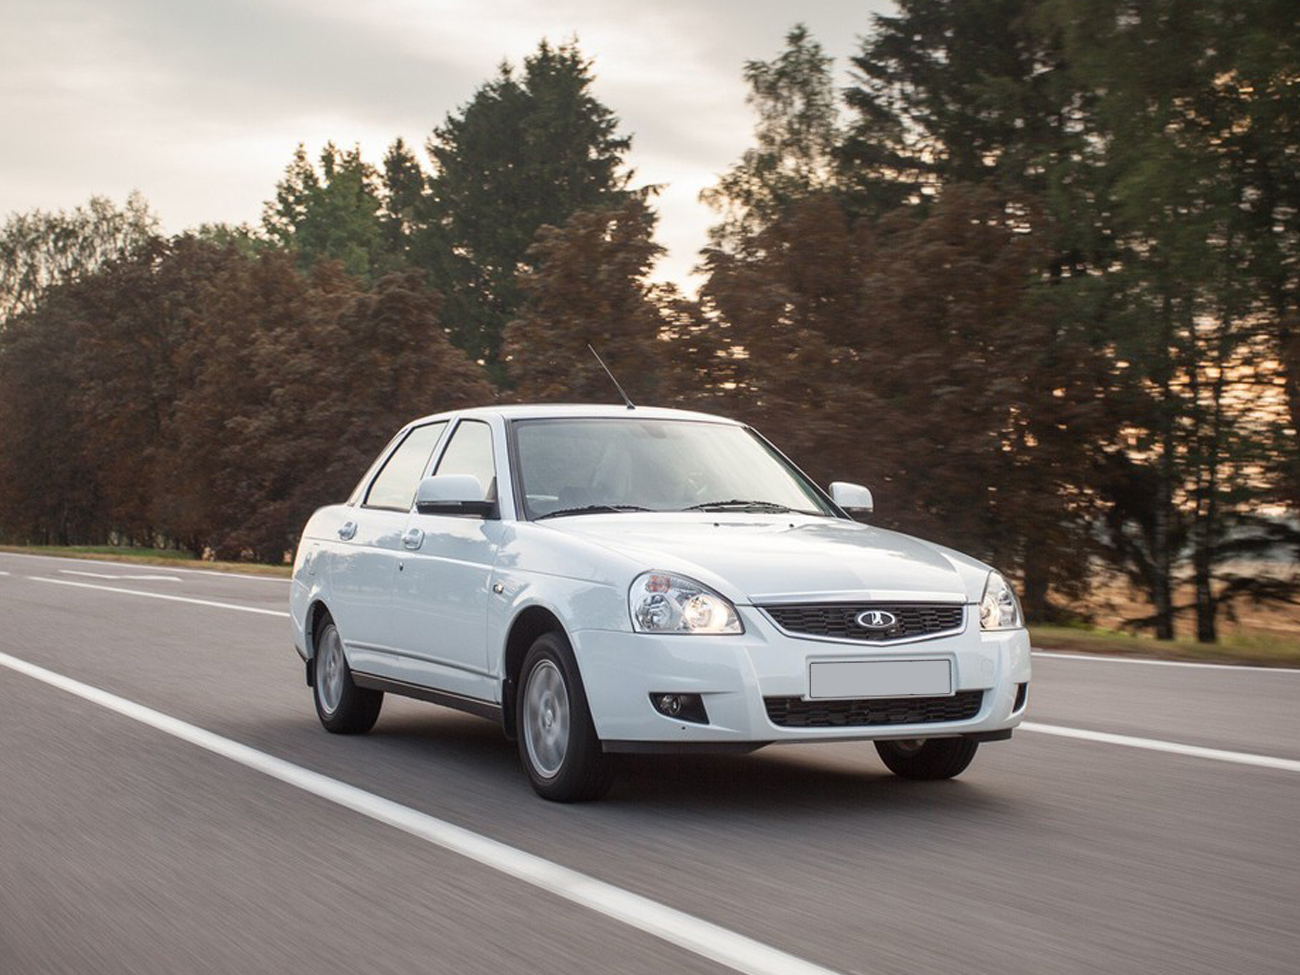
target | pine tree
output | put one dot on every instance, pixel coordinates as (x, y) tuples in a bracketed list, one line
[(331, 213), (405, 203), (796, 136), (526, 152)]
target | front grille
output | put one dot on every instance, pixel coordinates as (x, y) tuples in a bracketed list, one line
[(794, 712), (839, 620)]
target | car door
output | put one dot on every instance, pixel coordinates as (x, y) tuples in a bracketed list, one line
[(364, 558), (441, 593)]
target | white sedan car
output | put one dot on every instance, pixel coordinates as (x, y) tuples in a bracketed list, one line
[(604, 580)]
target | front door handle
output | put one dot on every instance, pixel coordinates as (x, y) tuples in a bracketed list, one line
[(413, 538), (348, 530)]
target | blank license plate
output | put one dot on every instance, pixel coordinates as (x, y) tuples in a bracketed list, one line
[(880, 678)]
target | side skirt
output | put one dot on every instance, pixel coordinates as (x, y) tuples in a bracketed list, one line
[(470, 705)]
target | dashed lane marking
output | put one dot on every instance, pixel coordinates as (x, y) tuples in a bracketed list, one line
[(162, 595), (110, 575), (1107, 659), (1159, 745)]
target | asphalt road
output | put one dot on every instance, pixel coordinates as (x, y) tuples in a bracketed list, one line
[(124, 848)]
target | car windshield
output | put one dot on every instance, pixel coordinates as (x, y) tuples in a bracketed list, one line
[(594, 465)]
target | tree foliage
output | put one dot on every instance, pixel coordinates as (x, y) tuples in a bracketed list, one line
[(1034, 275), (332, 212), (962, 402), (217, 397), (1135, 128), (527, 151), (590, 288), (40, 249), (796, 137)]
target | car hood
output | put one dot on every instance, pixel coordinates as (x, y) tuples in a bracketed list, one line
[(766, 558)]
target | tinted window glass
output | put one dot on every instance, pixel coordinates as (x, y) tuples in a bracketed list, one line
[(470, 452), (661, 465), (396, 483)]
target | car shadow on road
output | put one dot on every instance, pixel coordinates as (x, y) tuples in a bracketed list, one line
[(817, 781), (792, 780)]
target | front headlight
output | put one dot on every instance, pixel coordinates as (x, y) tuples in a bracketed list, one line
[(999, 608), (661, 602)]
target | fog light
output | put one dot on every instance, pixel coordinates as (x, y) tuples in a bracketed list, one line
[(683, 707), (1022, 697)]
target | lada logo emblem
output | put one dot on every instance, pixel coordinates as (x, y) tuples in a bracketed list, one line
[(876, 619)]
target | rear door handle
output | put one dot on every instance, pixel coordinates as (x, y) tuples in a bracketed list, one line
[(348, 530), (413, 538)]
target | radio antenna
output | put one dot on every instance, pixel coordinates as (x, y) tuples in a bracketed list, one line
[(626, 399)]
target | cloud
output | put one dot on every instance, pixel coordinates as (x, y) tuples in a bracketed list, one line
[(200, 104)]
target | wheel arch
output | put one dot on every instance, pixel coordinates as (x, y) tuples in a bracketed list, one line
[(530, 623), (316, 612)]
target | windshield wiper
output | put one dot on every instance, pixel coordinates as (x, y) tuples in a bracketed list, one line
[(591, 509), (740, 504)]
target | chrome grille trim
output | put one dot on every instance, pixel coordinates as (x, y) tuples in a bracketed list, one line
[(837, 621)]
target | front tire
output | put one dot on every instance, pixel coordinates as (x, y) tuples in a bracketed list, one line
[(557, 738), (927, 759), (342, 706)]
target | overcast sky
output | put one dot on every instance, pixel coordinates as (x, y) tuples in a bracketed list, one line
[(199, 104)]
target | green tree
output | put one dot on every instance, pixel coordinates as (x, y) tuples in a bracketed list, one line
[(333, 212), (405, 204), (968, 91), (526, 152), (41, 249), (796, 138), (1190, 276)]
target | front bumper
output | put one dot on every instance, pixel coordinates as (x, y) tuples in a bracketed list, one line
[(734, 674)]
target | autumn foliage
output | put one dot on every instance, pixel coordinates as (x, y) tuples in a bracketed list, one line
[(1037, 289), (195, 396)]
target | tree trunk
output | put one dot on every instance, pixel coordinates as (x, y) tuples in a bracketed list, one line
[(1162, 556), (1033, 596)]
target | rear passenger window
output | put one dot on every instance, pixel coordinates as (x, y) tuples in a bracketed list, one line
[(470, 452), (395, 486)]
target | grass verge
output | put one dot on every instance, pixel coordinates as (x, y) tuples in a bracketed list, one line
[(169, 558), (1259, 648)]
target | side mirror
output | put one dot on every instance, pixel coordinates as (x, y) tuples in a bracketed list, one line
[(453, 494), (853, 498)]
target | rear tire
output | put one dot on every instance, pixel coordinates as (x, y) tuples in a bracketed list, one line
[(342, 706), (556, 736), (927, 758)]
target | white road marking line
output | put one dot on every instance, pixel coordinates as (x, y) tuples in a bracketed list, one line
[(694, 934), (109, 575), (1151, 744), (163, 595), (1106, 658), (217, 573), (1159, 745), (4, 573)]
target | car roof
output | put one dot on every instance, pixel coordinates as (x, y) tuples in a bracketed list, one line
[(574, 411)]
